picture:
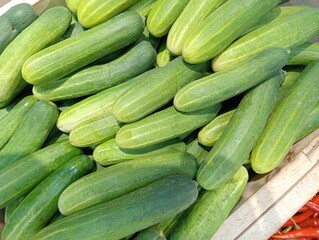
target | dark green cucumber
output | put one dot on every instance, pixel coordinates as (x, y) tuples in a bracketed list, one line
[(240, 135), (143, 7), (304, 54), (20, 177), (196, 150), (30, 134), (128, 214), (163, 57), (40, 205), (11, 207), (311, 124), (218, 87), (118, 180)]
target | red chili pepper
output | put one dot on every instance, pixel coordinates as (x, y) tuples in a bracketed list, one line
[(315, 199), (298, 218), (303, 209), (299, 233), (313, 206), (309, 223)]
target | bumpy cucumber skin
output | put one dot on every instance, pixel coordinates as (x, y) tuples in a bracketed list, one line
[(143, 7), (220, 86), (40, 205), (73, 5), (286, 121), (304, 54)]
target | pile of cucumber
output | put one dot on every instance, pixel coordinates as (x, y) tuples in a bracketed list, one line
[(138, 119)]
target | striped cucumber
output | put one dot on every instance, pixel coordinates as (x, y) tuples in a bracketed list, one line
[(118, 180), (194, 13), (143, 7), (300, 28), (97, 78), (286, 121), (240, 135), (311, 124), (73, 5), (211, 209), (108, 153), (218, 87), (196, 150), (36, 126), (148, 96), (162, 126), (304, 54), (11, 206), (40, 205), (117, 219), (222, 27), (19, 178), (163, 57), (163, 15), (75, 52)]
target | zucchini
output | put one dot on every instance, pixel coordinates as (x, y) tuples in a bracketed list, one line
[(116, 219), (108, 153), (143, 7), (163, 57), (218, 87), (193, 14), (304, 54), (222, 27), (36, 126), (311, 124), (73, 5), (11, 206), (14, 21), (300, 28), (75, 52), (147, 96), (163, 15), (286, 121), (20, 177), (240, 135), (40, 205), (162, 126), (94, 12), (211, 209), (97, 78)]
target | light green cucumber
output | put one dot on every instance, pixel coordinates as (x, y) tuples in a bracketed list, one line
[(221, 86), (163, 15), (286, 121), (108, 153), (163, 57), (311, 124), (162, 126), (196, 150), (46, 29), (40, 205), (11, 207), (143, 7), (114, 220), (304, 54), (20, 177), (211, 209), (148, 96), (193, 14), (222, 27), (76, 52), (73, 5), (287, 33)]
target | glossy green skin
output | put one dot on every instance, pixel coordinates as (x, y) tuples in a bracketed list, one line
[(287, 33), (221, 86), (75, 52), (162, 126), (40, 205), (304, 54), (11, 207), (14, 21), (311, 124), (44, 31), (73, 5), (108, 153), (143, 7), (163, 57), (156, 88), (116, 219), (203, 219), (19, 178), (240, 136), (36, 126), (222, 27), (97, 78), (286, 121)]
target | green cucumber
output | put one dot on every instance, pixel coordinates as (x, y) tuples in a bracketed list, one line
[(97, 78), (75, 52), (222, 27), (73, 5), (20, 177), (44, 31), (211, 209), (163, 57), (128, 214), (162, 126), (22, 85), (148, 37), (74, 29), (311, 124), (197, 150), (143, 7), (147, 96), (150, 234), (300, 28), (240, 135), (286, 121), (118, 180), (221, 86), (11, 206), (163, 15), (304, 54), (14, 21), (35, 127), (4, 111), (108, 153), (40, 205), (54, 136), (194, 13)]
